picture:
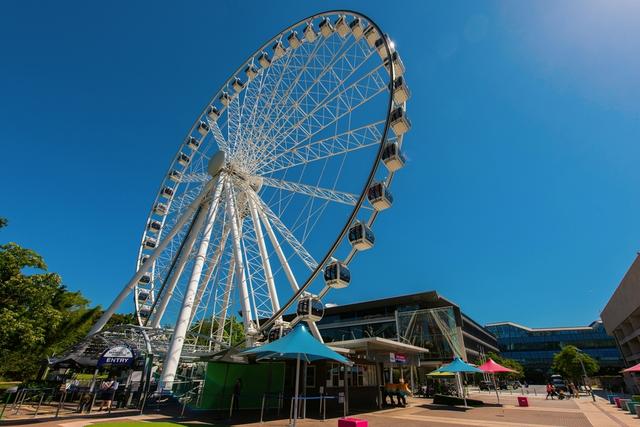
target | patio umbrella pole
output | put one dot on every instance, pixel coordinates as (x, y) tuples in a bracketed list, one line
[(496, 387), (295, 405)]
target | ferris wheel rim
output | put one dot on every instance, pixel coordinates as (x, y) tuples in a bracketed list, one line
[(330, 251)]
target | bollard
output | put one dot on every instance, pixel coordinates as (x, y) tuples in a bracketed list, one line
[(262, 409), (231, 407)]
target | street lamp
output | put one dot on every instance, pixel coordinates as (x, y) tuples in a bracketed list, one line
[(584, 373)]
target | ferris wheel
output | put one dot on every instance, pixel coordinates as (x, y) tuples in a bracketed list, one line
[(275, 188)]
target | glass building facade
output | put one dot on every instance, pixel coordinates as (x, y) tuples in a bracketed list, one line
[(535, 347), (424, 320)]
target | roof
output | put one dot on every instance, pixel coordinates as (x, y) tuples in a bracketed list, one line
[(429, 296), (551, 329), (377, 343)]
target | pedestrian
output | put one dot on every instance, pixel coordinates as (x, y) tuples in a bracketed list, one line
[(107, 392), (550, 391), (237, 388)]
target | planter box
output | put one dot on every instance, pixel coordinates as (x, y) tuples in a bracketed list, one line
[(352, 422)]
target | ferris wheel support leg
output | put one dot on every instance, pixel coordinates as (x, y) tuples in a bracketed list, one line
[(240, 275), (287, 270), (225, 306), (209, 273), (264, 255), (172, 357), (152, 257)]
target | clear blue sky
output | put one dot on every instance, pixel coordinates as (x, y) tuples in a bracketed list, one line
[(523, 183)]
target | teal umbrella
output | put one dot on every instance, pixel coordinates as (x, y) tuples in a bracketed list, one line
[(297, 344), (456, 367)]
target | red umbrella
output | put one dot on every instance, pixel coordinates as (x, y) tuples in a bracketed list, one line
[(492, 367), (635, 368)]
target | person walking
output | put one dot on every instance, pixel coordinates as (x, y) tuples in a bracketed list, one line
[(550, 391), (107, 392), (237, 388)]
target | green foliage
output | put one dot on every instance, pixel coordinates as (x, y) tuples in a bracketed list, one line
[(567, 363), (3, 222), (508, 363), (234, 329)]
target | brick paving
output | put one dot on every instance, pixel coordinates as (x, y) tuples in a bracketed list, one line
[(567, 413)]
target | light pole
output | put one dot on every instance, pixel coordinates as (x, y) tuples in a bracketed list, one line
[(584, 373)]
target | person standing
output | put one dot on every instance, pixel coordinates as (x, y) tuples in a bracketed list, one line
[(107, 392), (237, 388), (550, 391)]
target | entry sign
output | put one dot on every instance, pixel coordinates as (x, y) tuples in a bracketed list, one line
[(401, 358), (120, 355)]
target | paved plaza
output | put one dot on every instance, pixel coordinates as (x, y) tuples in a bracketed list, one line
[(581, 412)]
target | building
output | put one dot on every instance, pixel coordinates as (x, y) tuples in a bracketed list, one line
[(424, 320), (621, 317), (534, 348)]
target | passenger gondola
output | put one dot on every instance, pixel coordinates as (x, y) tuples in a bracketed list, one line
[(279, 330), (379, 196), (310, 34), (150, 242), (326, 28), (293, 40), (399, 121), (400, 90), (342, 27), (361, 237), (213, 113), (183, 159), (203, 128), (337, 275), (392, 157), (310, 308), (193, 143), (166, 192), (154, 226)]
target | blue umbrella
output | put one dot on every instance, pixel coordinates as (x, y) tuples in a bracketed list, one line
[(456, 367), (297, 344)]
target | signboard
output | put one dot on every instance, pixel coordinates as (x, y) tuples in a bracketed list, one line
[(401, 358), (392, 357), (120, 355)]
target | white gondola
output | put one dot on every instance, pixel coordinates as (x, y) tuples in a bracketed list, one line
[(203, 128), (278, 50), (251, 71), (150, 242), (279, 330), (341, 26), (183, 159), (356, 28), (213, 113), (398, 65), (401, 91), (160, 209), (145, 279), (326, 28), (143, 259), (264, 60), (381, 47), (175, 175), (144, 311), (310, 308), (167, 192), (399, 121), (193, 143), (379, 196), (293, 40), (154, 226), (310, 34), (143, 296), (361, 237), (237, 85), (337, 275), (371, 34), (225, 99), (392, 157)]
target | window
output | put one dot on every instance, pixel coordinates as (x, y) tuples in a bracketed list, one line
[(311, 377)]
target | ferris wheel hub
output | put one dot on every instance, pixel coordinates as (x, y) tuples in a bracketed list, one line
[(216, 163)]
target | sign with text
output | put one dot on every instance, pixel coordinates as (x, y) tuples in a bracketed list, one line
[(120, 355), (401, 358)]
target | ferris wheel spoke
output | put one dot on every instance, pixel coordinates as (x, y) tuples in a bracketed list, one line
[(262, 120), (313, 191), (319, 88), (221, 315), (268, 216), (217, 135), (328, 113)]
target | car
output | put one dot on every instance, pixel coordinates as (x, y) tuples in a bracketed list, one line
[(486, 385), (558, 383)]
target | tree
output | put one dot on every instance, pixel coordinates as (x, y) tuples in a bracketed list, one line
[(38, 315), (567, 363)]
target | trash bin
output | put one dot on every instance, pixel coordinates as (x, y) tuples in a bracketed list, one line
[(523, 401), (352, 422)]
